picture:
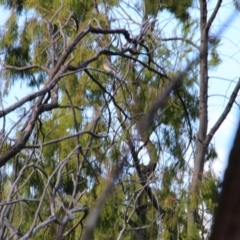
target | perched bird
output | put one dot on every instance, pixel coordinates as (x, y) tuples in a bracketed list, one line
[(109, 67)]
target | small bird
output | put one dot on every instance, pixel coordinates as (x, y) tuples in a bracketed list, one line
[(109, 67)]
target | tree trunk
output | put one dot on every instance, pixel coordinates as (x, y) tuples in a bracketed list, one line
[(203, 121), (227, 217)]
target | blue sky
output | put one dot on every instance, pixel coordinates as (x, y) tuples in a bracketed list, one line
[(223, 80)]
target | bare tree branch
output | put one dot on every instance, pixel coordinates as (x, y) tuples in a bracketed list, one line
[(67, 137), (20, 69), (224, 114), (181, 39), (211, 19)]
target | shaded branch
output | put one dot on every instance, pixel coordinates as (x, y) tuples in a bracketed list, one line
[(19, 200), (143, 179), (227, 215), (21, 142), (25, 68), (147, 120), (95, 212)]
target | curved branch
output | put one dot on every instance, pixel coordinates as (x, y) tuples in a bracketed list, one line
[(211, 19), (181, 39), (21, 142), (7, 67), (65, 138), (224, 114), (48, 87)]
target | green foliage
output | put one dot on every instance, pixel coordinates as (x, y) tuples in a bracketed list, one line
[(211, 153), (88, 107), (18, 5), (215, 59), (209, 191), (180, 10)]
